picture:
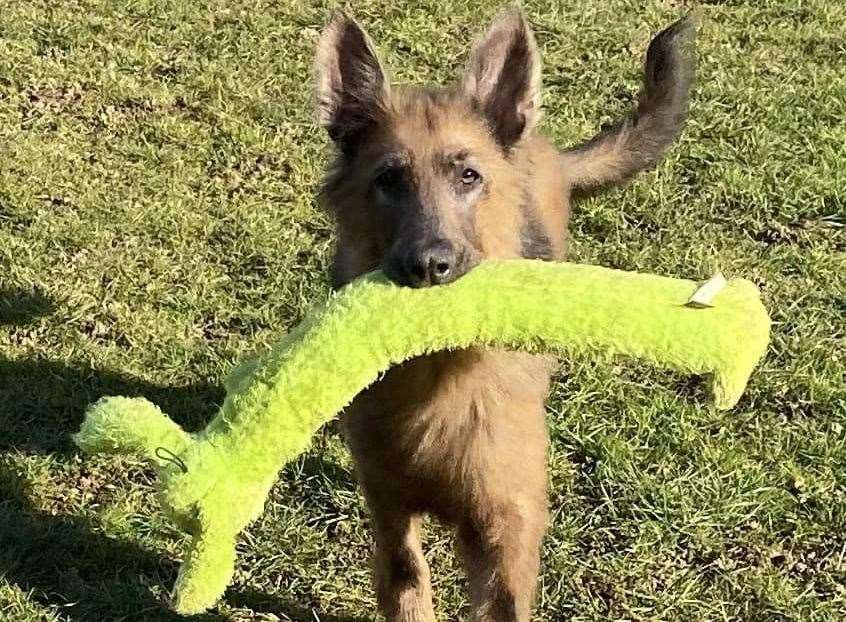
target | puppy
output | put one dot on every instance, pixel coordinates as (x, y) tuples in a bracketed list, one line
[(427, 183)]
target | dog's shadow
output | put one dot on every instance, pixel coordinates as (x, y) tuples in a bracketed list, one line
[(65, 565), (42, 401), (61, 561)]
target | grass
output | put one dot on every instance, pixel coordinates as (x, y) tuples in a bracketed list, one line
[(158, 163)]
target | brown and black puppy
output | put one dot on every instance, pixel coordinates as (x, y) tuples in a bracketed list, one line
[(427, 183)]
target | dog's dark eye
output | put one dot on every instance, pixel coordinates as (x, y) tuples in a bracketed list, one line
[(469, 177), (389, 177)]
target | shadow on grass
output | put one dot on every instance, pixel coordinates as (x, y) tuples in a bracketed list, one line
[(19, 306), (42, 402), (64, 564)]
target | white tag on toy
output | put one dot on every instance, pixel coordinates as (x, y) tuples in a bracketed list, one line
[(704, 295)]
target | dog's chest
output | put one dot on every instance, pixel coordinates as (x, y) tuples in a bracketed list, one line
[(450, 420)]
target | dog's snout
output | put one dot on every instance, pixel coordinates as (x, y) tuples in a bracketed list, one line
[(437, 263)]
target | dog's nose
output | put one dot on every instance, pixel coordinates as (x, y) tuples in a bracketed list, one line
[(434, 264)]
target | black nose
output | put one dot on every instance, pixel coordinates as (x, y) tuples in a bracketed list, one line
[(433, 264)]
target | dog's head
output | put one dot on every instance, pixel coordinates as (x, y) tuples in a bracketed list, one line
[(418, 167), (430, 181)]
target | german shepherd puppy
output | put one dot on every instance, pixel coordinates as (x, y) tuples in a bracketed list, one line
[(427, 183)]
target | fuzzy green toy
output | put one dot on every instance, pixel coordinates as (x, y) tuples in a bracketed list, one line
[(215, 482)]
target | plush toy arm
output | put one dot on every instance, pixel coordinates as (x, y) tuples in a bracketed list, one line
[(125, 425)]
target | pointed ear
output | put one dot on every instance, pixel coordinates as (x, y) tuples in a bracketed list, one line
[(352, 87), (503, 77)]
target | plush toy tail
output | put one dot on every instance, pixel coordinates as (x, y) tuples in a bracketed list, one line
[(125, 425)]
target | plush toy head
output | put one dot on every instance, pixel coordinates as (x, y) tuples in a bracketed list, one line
[(215, 482)]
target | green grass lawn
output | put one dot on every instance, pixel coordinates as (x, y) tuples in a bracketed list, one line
[(158, 163)]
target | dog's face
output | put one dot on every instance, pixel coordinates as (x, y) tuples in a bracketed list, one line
[(425, 184)]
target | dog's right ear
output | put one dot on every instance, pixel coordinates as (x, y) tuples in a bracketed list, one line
[(352, 86)]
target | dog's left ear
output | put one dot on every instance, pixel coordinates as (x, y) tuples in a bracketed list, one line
[(503, 77)]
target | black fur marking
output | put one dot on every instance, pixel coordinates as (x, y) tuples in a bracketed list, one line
[(534, 240)]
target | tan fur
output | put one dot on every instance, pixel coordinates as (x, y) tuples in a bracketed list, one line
[(459, 435)]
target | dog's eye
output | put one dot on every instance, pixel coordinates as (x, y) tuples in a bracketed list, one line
[(389, 177), (469, 177)]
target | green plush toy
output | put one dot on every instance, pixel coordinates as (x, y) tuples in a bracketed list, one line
[(215, 482)]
